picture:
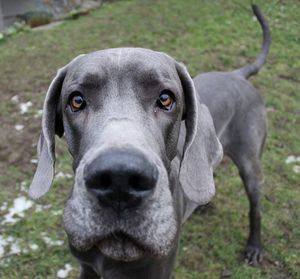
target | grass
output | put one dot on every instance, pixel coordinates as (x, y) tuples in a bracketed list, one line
[(205, 35)]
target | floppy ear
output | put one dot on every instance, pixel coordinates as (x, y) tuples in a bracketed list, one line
[(51, 125), (202, 149)]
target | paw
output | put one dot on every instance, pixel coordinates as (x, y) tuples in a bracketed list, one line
[(253, 255)]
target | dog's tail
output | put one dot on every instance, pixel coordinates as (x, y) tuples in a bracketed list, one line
[(252, 69)]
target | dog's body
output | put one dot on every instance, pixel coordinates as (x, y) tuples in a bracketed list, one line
[(241, 128), (144, 149), (239, 116)]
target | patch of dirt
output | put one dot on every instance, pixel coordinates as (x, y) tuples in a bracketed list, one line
[(17, 147)]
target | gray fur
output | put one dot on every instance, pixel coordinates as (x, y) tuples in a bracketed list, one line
[(240, 121), (121, 87), (252, 69), (239, 116)]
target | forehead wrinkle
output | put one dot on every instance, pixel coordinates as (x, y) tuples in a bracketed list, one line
[(146, 68), (116, 66), (88, 76), (154, 79)]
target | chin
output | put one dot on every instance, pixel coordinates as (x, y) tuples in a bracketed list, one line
[(121, 248)]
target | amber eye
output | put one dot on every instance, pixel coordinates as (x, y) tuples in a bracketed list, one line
[(76, 101), (166, 100)]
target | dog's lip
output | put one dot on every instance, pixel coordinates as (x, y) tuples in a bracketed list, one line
[(121, 236)]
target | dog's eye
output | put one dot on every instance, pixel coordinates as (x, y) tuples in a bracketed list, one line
[(166, 100), (76, 102)]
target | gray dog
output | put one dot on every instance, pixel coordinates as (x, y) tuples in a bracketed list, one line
[(239, 116), (144, 149)]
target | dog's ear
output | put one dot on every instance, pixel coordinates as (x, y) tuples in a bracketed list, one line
[(202, 149), (51, 125)]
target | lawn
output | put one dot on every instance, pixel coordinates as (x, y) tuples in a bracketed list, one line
[(205, 35)]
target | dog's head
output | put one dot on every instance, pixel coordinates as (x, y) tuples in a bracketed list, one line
[(121, 112)]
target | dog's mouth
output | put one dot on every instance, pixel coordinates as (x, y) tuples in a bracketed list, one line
[(121, 247)]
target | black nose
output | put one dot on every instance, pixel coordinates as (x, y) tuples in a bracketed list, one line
[(121, 179)]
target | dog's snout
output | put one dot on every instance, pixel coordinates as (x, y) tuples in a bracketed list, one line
[(121, 179)]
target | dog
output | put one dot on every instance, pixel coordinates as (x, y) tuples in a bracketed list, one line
[(239, 117), (144, 149)]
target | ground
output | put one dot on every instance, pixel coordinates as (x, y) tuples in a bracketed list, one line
[(205, 35)]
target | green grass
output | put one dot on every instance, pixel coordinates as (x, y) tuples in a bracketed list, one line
[(205, 35)]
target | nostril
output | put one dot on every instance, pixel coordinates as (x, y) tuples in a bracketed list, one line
[(100, 181), (136, 183), (140, 183), (105, 180)]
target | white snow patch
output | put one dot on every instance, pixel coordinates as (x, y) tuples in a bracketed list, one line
[(20, 204), (24, 251), (292, 159), (63, 273), (57, 212), (270, 109), (5, 241), (15, 247), (3, 206), (23, 186), (5, 262), (24, 107), (63, 175), (38, 114), (15, 99), (10, 238), (3, 244), (33, 246), (34, 161), (40, 207), (296, 169), (51, 242), (19, 127)]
